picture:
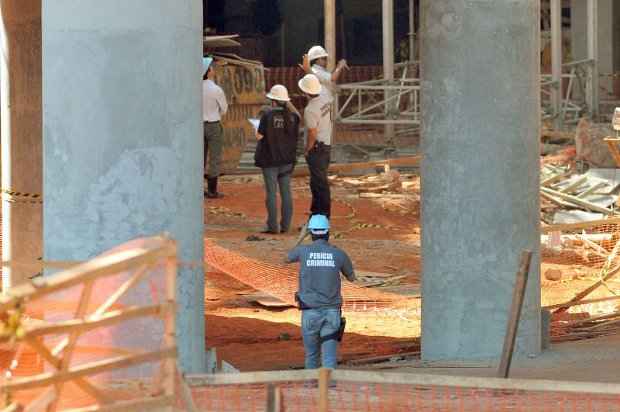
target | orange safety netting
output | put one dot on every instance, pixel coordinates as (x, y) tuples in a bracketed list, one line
[(281, 281), (369, 396), (582, 251)]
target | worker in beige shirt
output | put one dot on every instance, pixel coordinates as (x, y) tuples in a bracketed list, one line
[(315, 62), (318, 121), (214, 106)]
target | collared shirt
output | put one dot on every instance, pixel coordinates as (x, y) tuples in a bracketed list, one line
[(318, 115), (214, 104), (320, 265), (325, 78)]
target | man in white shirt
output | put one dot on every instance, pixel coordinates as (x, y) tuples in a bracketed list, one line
[(317, 118), (214, 106), (315, 62)]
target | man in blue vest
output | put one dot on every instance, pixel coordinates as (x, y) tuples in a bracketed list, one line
[(319, 296)]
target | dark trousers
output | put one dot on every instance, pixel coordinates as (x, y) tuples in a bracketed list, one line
[(318, 162), (214, 145)]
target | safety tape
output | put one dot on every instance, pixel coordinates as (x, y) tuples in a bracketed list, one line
[(14, 196)]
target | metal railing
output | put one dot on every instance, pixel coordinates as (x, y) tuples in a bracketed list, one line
[(397, 102), (380, 101)]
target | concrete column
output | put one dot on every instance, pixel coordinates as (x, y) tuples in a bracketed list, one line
[(388, 61), (412, 48), (579, 35), (480, 174), (592, 88), (123, 137), (330, 32), (21, 136), (556, 60)]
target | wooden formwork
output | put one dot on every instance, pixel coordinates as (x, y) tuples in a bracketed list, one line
[(137, 262)]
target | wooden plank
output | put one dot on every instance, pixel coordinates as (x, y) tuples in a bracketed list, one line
[(565, 227), (145, 404), (87, 369), (138, 275), (515, 314), (409, 161), (574, 185), (382, 358), (582, 302), (274, 398), (379, 377), (324, 378), (426, 380), (42, 402), (251, 377), (169, 365), (56, 362), (186, 395), (592, 189), (94, 322), (91, 270), (557, 201), (555, 178), (612, 145), (577, 201)]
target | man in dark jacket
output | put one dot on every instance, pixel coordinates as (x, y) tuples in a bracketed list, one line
[(277, 135)]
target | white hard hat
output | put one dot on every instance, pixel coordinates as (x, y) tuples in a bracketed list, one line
[(616, 119), (310, 84), (279, 93), (316, 52)]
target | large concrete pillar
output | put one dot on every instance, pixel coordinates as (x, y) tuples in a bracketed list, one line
[(387, 26), (480, 174), (123, 137), (582, 44), (21, 137), (556, 61), (329, 11)]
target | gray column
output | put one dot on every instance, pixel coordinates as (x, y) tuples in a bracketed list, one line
[(21, 137), (556, 60), (592, 88), (580, 44), (329, 14), (123, 137), (480, 174), (387, 13)]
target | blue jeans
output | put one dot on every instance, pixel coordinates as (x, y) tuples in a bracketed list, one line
[(275, 177), (314, 324)]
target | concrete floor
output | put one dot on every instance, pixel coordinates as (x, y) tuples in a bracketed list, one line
[(594, 360)]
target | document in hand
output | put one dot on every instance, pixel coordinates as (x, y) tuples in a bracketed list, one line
[(254, 123)]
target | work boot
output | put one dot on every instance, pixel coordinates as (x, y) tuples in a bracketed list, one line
[(211, 192)]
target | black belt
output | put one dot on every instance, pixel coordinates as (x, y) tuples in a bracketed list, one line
[(217, 121), (321, 145)]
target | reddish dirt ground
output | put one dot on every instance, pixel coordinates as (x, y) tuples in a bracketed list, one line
[(252, 337), (378, 239)]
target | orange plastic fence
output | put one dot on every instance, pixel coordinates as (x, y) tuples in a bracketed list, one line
[(281, 281), (302, 396)]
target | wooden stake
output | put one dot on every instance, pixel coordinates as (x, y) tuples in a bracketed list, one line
[(324, 377), (515, 314), (274, 398)]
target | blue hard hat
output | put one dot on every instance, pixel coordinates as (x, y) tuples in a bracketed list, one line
[(318, 224), (206, 63)]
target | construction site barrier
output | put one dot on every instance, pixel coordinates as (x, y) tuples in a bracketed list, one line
[(64, 341), (351, 390)]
